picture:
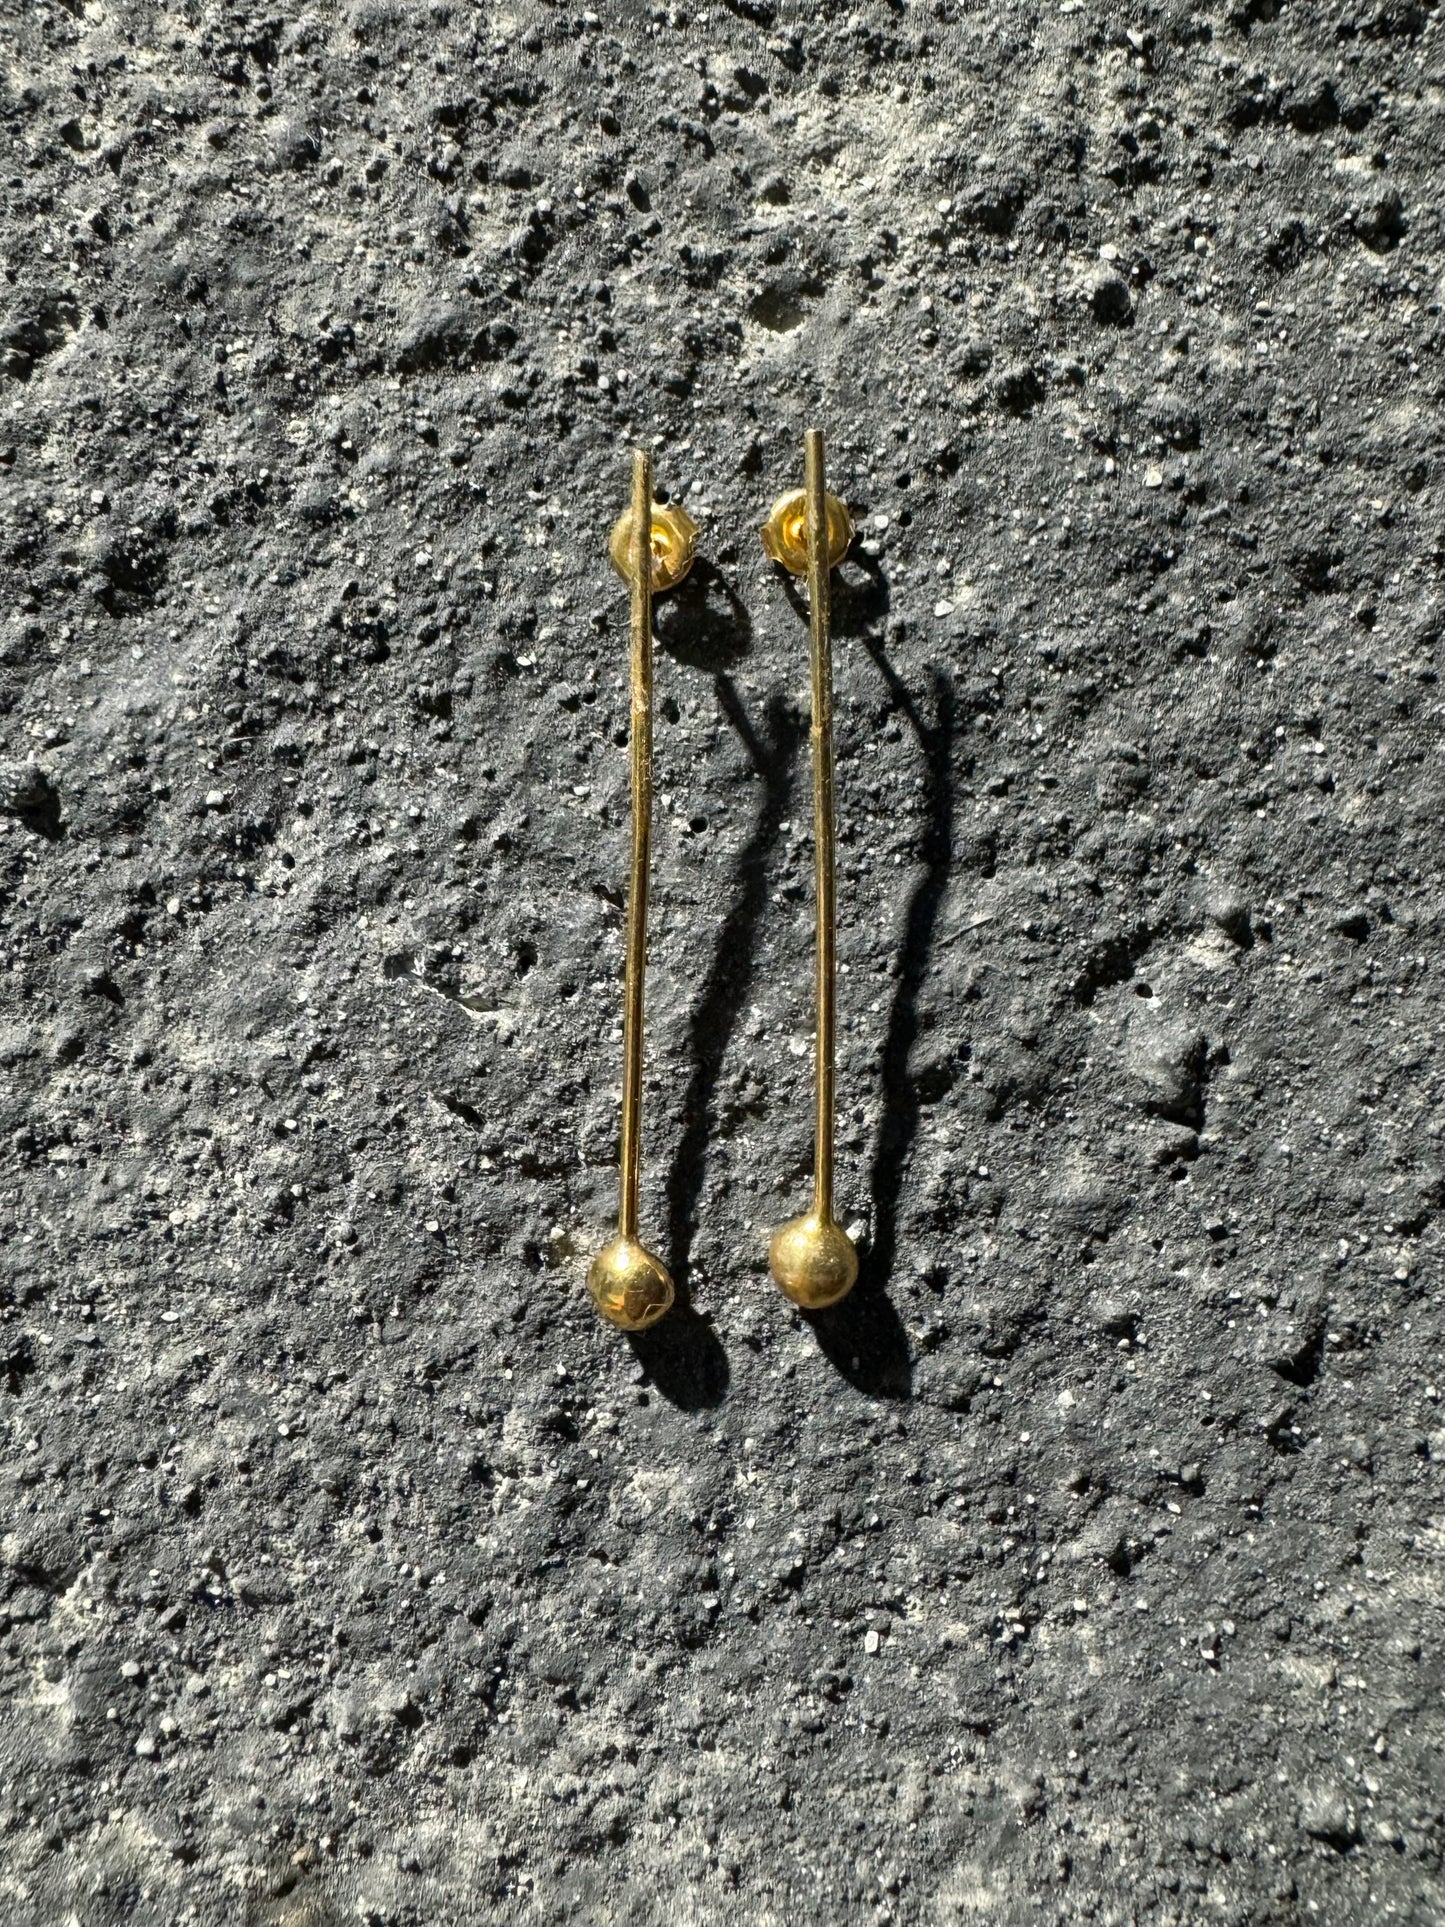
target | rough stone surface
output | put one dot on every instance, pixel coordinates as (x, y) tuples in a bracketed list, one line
[(1085, 1564)]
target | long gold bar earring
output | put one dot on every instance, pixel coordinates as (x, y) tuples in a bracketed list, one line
[(652, 549), (812, 1257)]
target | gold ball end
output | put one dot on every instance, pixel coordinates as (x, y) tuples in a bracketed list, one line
[(629, 1287), (674, 545), (813, 1261), (785, 533)]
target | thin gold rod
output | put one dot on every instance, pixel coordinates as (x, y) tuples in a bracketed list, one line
[(812, 1258), (652, 548), (641, 744), (824, 855)]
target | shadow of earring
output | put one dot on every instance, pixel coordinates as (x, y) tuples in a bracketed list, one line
[(864, 1341), (683, 1359), (705, 624)]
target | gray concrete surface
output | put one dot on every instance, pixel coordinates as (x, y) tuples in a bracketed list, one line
[(1085, 1565)]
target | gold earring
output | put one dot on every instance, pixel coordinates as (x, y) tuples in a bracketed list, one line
[(652, 548), (808, 532)]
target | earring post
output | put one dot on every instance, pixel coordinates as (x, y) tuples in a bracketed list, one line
[(637, 889), (824, 818), (812, 1257), (652, 549)]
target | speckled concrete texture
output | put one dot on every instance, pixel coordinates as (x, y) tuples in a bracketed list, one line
[(1085, 1564)]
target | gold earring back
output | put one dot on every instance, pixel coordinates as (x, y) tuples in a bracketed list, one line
[(674, 545)]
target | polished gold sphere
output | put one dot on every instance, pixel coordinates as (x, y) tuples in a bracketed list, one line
[(674, 544), (630, 1287), (814, 1262), (785, 533)]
